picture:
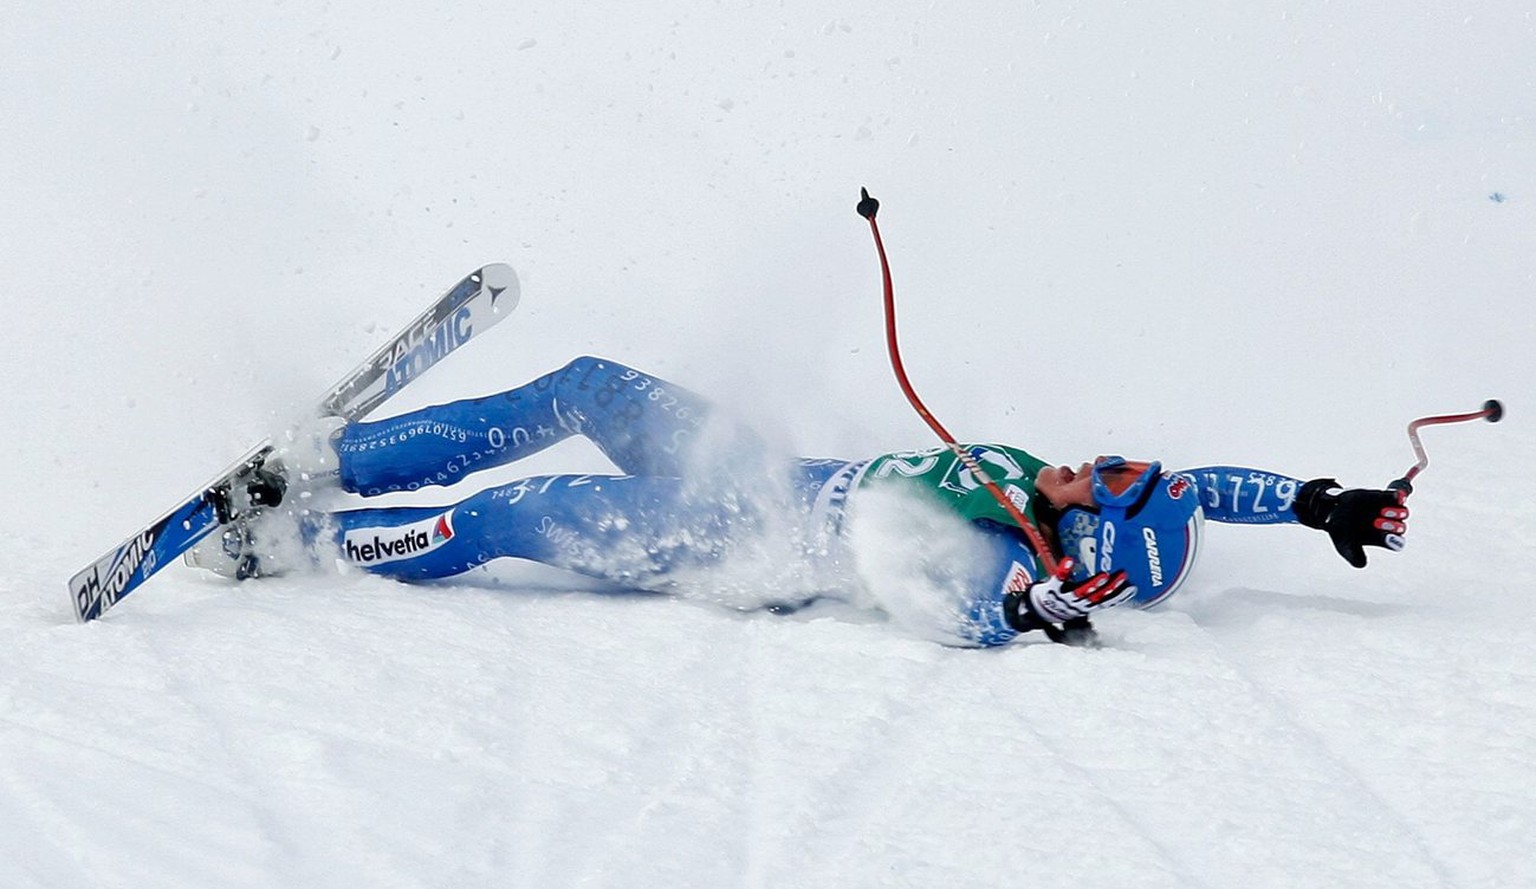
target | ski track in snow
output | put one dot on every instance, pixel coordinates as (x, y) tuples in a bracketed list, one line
[(1330, 761), (1266, 235), (363, 727)]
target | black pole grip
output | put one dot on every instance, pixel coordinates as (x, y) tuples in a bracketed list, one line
[(868, 206)]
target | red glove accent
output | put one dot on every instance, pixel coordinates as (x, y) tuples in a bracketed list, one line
[(1057, 601)]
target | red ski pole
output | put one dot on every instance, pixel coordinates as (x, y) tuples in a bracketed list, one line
[(867, 208), (1493, 412)]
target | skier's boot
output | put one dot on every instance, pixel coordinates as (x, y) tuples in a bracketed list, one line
[(231, 551), (260, 517), (228, 552)]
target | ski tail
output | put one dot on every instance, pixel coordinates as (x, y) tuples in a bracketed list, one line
[(468, 309)]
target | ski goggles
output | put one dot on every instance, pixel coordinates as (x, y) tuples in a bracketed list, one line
[(1121, 482)]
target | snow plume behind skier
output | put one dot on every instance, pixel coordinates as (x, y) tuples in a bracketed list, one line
[(918, 562), (739, 503)]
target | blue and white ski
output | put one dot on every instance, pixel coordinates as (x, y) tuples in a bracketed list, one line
[(468, 309)]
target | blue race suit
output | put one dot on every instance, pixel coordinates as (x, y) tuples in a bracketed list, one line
[(693, 485), (694, 490)]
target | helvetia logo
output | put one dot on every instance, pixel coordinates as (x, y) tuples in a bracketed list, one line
[(377, 546)]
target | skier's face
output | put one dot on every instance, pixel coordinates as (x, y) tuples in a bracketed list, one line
[(1064, 486)]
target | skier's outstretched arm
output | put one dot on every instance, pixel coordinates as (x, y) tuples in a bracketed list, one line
[(1354, 518)]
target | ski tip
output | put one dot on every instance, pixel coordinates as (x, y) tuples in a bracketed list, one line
[(500, 281)]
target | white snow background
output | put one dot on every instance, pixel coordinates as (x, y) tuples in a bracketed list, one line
[(1266, 234)]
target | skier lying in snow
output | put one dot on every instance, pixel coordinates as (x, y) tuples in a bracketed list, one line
[(700, 496)]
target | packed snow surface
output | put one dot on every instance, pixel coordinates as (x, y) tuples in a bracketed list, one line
[(1265, 234)]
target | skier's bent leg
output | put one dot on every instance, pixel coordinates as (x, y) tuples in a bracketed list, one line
[(623, 529), (645, 425)]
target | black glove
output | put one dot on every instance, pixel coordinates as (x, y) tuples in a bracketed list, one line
[(1051, 601), (1356, 518)]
